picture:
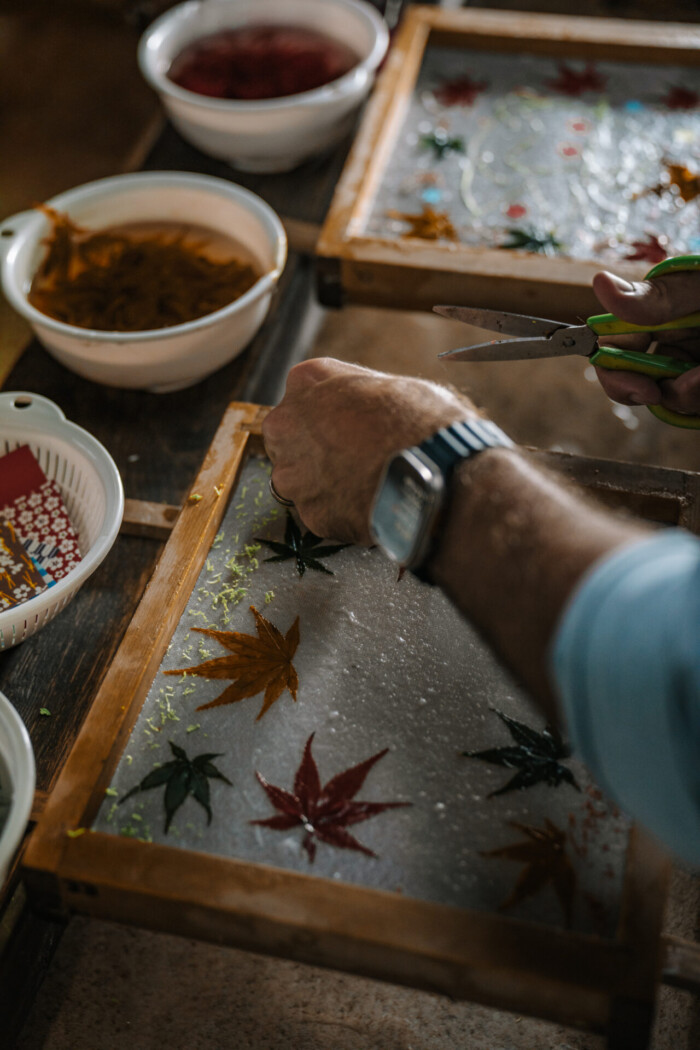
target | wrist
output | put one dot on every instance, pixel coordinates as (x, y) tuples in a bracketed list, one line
[(413, 494), (476, 507)]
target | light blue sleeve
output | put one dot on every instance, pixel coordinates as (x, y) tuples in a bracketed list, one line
[(626, 661)]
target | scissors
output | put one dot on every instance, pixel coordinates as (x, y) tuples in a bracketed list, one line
[(536, 337)]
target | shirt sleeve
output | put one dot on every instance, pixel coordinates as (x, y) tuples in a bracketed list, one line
[(626, 662)]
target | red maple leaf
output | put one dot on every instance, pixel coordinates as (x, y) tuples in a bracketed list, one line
[(462, 91), (575, 82), (324, 812), (681, 98), (650, 250)]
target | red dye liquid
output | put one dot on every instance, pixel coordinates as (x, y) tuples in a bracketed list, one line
[(261, 61)]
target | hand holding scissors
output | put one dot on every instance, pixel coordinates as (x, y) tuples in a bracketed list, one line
[(536, 337)]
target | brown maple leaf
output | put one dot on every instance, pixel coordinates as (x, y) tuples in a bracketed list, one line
[(324, 812), (431, 225), (258, 663), (682, 179), (687, 182), (545, 860)]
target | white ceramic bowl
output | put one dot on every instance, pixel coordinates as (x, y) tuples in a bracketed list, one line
[(274, 134), (92, 492), (163, 359), (17, 779)]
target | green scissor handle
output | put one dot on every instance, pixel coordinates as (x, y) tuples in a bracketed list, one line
[(655, 365)]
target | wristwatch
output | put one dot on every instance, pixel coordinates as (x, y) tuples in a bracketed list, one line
[(411, 497)]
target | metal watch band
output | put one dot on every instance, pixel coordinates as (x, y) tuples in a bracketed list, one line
[(459, 441), (448, 447)]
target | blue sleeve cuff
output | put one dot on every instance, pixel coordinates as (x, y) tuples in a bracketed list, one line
[(626, 663)]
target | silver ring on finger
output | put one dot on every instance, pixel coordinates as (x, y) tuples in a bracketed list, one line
[(280, 499)]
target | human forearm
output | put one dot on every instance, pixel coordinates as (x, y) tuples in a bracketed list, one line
[(513, 547), (516, 540)]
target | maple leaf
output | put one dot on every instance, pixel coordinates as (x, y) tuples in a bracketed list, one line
[(431, 225), (679, 97), (182, 777), (304, 549), (573, 82), (650, 250), (258, 663), (535, 756), (324, 812), (546, 862), (528, 240), (462, 91), (685, 181), (441, 144)]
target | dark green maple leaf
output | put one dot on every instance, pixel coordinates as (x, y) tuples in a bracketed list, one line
[(535, 755), (531, 241), (441, 143), (182, 777), (303, 548)]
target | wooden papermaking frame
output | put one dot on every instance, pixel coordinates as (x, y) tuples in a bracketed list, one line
[(606, 985), (410, 273)]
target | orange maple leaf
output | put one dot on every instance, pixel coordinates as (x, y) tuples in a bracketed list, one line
[(258, 663)]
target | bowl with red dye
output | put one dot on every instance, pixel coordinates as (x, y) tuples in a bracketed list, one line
[(264, 84), (149, 281)]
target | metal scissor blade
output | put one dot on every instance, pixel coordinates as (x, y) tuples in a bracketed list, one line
[(500, 320), (515, 350)]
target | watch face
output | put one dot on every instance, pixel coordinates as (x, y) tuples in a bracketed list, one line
[(405, 506)]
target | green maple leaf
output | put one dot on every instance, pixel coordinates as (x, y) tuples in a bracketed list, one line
[(531, 241), (303, 548), (182, 777), (535, 756)]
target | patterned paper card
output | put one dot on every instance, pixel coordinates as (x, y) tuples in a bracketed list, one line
[(19, 577), (42, 554), (35, 507), (20, 473)]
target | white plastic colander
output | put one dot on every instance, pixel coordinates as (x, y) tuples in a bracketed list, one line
[(17, 781), (92, 492)]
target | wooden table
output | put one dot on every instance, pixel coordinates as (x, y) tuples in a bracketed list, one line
[(158, 442)]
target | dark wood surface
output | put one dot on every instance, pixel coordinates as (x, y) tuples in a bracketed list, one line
[(158, 442)]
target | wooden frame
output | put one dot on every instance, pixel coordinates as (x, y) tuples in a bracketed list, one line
[(606, 985), (357, 267)]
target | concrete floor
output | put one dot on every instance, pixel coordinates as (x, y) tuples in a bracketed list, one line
[(199, 997), (113, 988), (117, 988)]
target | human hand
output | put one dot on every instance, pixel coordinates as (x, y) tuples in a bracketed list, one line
[(333, 431), (653, 302)]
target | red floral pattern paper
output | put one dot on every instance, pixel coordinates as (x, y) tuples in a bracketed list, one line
[(34, 505)]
